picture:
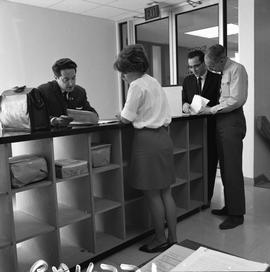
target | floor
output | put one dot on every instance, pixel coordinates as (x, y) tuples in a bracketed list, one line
[(250, 240)]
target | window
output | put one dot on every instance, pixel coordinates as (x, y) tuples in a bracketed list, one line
[(196, 29), (154, 36)]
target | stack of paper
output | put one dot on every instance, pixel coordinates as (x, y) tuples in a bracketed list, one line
[(167, 260), (204, 259)]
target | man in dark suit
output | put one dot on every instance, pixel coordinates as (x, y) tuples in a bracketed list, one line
[(63, 93), (207, 84)]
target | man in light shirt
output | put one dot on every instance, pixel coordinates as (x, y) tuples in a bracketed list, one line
[(231, 130)]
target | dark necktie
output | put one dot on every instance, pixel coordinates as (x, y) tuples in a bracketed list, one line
[(199, 82), (65, 96)]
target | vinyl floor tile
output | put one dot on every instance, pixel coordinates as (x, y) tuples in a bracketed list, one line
[(250, 240)]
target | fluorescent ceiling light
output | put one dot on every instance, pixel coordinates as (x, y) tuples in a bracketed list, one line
[(212, 32)]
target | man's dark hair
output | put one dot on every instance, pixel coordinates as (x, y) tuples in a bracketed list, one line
[(63, 64), (196, 53), (132, 59)]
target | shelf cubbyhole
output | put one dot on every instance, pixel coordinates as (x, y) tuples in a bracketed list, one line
[(179, 134), (43, 148), (129, 192), (74, 203), (109, 137), (137, 218), (109, 229), (34, 212), (196, 164), (43, 247), (108, 186), (181, 198), (196, 194), (71, 147), (181, 167), (196, 133), (77, 243)]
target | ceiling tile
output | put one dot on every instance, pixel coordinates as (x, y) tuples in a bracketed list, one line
[(101, 2), (104, 12), (38, 3), (78, 6), (131, 5)]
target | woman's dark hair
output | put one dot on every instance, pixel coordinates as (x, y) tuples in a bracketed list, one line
[(63, 64), (132, 59)]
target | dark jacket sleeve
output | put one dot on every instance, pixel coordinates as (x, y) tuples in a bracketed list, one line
[(184, 92), (52, 96)]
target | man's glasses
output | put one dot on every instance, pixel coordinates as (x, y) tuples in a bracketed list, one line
[(195, 66), (66, 79)]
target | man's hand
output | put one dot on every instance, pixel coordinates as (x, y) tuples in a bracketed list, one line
[(206, 110), (186, 108), (61, 121), (122, 119)]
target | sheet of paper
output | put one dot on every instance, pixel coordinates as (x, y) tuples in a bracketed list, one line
[(198, 103), (204, 259), (167, 259), (108, 121)]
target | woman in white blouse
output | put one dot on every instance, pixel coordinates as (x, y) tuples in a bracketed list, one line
[(151, 168)]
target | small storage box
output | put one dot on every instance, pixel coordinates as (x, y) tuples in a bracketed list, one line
[(66, 168), (101, 154)]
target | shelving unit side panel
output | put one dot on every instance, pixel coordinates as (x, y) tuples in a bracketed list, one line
[(4, 168), (6, 222)]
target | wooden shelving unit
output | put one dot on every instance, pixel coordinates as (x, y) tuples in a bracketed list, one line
[(74, 219)]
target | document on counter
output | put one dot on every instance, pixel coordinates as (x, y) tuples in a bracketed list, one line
[(205, 259), (198, 103), (167, 259), (108, 121)]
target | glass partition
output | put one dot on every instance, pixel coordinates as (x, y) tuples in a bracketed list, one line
[(196, 29), (154, 36), (123, 32), (232, 29)]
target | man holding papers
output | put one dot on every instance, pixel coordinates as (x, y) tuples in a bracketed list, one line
[(63, 93), (206, 84)]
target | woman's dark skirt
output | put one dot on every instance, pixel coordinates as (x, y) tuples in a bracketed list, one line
[(152, 164)]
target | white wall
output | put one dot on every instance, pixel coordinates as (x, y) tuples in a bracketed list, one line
[(262, 85), (246, 49), (32, 38)]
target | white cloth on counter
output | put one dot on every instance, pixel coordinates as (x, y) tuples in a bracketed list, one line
[(13, 112)]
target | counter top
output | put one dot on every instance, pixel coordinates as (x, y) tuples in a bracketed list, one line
[(10, 136)]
